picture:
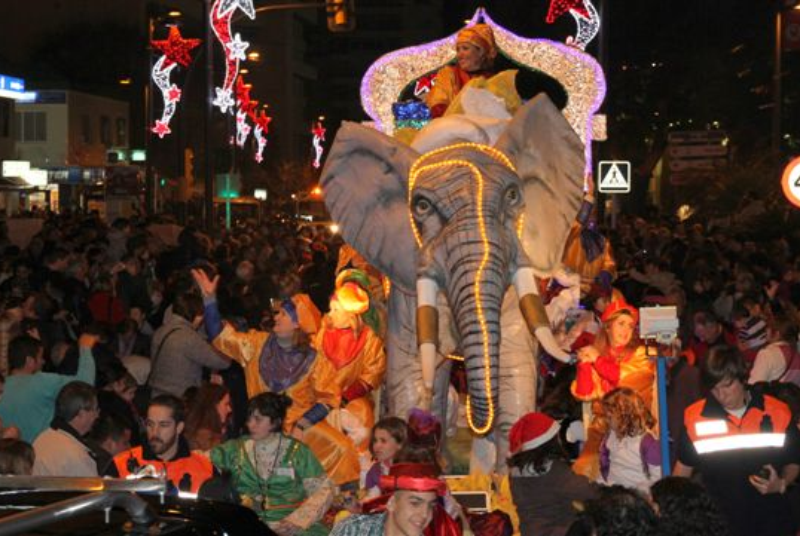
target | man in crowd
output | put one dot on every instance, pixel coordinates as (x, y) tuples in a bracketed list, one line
[(167, 451), (29, 398), (61, 449), (746, 447), (179, 352), (415, 491), (109, 437)]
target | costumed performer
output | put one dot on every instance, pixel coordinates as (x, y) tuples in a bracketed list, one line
[(281, 362), (350, 364), (587, 252), (616, 359), (274, 474)]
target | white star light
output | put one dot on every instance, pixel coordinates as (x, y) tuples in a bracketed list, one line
[(226, 6), (223, 100), (237, 47)]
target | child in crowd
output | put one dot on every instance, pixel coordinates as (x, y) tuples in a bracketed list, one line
[(388, 437), (629, 453)]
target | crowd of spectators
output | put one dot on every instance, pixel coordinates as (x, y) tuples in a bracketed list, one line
[(107, 370)]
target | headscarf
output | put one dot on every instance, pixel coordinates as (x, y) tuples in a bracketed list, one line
[(481, 36)]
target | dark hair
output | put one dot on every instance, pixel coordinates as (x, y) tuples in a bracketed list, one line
[(74, 397), (536, 460), (723, 363), (20, 349), (188, 305), (108, 427), (173, 403), (618, 511), (272, 405), (685, 508), (394, 426), (705, 317), (16, 457)]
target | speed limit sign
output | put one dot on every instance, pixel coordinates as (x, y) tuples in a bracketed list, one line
[(791, 182)]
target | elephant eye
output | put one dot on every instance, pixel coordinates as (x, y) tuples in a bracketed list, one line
[(513, 196), (422, 206)]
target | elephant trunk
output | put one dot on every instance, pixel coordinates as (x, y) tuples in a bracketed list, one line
[(476, 284), (532, 308)]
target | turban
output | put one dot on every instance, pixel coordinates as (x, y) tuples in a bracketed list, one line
[(481, 36)]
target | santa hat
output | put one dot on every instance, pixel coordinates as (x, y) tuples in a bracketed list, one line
[(531, 431), (618, 306)]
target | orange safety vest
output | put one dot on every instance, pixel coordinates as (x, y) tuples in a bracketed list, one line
[(192, 468), (763, 425)]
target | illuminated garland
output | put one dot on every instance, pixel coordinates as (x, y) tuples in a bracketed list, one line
[(176, 50), (585, 15), (318, 131), (420, 167), (222, 12)]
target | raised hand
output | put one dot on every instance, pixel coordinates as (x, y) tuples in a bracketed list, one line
[(207, 286)]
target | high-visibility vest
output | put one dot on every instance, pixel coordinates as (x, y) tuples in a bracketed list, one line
[(763, 425), (186, 473)]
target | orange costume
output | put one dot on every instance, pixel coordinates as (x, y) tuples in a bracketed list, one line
[(617, 367), (350, 364)]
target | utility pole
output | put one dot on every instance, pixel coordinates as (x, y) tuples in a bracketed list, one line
[(209, 111)]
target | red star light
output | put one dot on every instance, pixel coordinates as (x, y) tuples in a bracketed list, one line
[(176, 48), (424, 84), (318, 131), (174, 93), (161, 128), (559, 7), (263, 120)]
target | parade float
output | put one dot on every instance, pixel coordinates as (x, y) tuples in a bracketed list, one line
[(465, 213)]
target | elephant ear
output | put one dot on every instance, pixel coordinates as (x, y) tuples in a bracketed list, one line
[(365, 182), (550, 162)]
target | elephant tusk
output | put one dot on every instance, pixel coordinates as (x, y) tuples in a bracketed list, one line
[(532, 308), (427, 328)]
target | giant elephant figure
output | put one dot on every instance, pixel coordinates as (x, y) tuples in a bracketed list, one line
[(461, 231)]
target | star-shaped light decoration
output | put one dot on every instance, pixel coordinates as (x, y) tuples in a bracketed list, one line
[(246, 6), (223, 100), (237, 47), (173, 93), (263, 120), (175, 48), (161, 128), (560, 7), (424, 84)]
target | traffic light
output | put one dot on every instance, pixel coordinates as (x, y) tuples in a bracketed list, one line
[(341, 15)]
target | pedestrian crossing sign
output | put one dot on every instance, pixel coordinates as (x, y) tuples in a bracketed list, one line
[(615, 177)]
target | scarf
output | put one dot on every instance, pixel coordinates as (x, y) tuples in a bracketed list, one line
[(281, 367), (341, 346)]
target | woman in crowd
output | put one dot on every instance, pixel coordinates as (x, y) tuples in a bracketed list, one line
[(388, 437), (616, 359), (274, 474), (208, 417)]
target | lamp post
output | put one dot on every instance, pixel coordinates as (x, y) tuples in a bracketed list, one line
[(777, 74)]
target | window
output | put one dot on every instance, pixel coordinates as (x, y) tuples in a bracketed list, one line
[(31, 126), (122, 132), (5, 118), (86, 129), (105, 130)]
